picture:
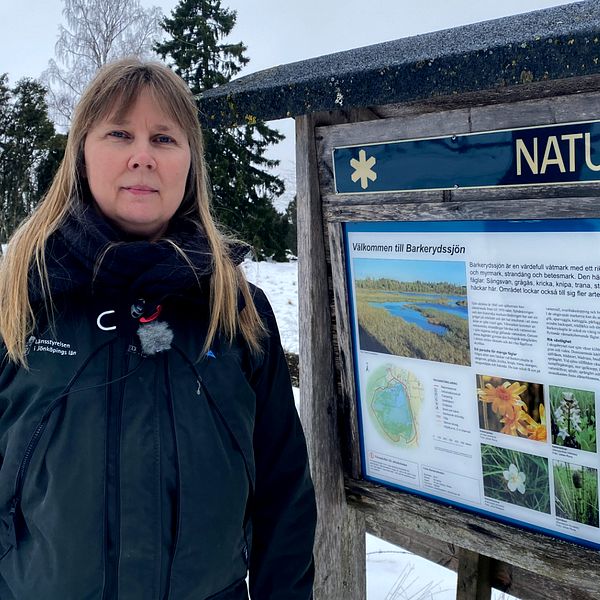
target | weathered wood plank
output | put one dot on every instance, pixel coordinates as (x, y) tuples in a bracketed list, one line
[(437, 551), (533, 208), (573, 565), (348, 407), (473, 576), (559, 109), (339, 547), (330, 200), (581, 190), (526, 585), (466, 119), (565, 88)]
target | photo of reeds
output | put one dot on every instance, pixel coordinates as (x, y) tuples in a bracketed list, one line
[(573, 418), (576, 493), (413, 308), (515, 477), (511, 407)]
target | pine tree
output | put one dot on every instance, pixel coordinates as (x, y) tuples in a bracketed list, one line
[(50, 162), (26, 137), (242, 188)]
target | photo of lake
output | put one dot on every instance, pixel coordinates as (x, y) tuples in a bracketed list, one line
[(413, 308)]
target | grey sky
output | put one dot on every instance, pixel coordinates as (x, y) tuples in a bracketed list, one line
[(275, 31)]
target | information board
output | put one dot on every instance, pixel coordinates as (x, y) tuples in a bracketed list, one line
[(477, 360)]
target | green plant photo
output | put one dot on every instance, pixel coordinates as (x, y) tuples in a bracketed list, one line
[(573, 418), (576, 493)]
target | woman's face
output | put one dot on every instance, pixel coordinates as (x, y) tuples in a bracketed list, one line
[(137, 168)]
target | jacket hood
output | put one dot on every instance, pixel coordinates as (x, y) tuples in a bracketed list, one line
[(86, 254)]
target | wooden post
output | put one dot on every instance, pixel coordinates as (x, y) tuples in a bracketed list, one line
[(473, 576), (340, 542)]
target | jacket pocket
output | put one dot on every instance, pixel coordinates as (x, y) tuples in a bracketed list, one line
[(214, 424), (223, 383), (239, 426), (9, 519), (10, 514)]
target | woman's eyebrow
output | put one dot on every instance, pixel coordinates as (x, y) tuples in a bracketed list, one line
[(125, 122)]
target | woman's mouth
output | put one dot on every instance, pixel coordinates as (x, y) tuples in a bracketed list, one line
[(140, 190)]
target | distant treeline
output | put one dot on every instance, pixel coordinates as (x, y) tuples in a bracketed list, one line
[(417, 287)]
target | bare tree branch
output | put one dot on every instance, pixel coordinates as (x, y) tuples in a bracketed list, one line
[(95, 32)]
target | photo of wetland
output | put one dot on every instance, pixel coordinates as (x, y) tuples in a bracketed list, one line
[(413, 308)]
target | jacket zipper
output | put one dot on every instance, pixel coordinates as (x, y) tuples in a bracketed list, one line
[(178, 468), (31, 446), (117, 370)]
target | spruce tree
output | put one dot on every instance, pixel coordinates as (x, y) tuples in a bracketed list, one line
[(26, 137), (196, 46)]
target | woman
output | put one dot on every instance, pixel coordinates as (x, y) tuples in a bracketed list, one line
[(149, 443)]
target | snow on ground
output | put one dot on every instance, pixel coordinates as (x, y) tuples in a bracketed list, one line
[(396, 574), (392, 573), (279, 281)]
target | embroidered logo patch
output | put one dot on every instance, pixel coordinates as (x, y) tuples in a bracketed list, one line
[(51, 346)]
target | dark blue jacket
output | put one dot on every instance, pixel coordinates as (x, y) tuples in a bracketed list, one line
[(151, 476)]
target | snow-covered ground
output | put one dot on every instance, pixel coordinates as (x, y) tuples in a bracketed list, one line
[(392, 573), (280, 282)]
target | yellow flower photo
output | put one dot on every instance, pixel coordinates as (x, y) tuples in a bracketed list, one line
[(511, 407)]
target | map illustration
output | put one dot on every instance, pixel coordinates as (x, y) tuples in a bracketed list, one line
[(394, 398)]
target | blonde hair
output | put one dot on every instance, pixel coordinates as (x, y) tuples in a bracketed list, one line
[(116, 88)]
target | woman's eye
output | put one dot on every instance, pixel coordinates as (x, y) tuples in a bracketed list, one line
[(164, 139), (118, 134)]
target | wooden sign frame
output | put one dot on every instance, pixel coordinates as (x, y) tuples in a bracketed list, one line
[(485, 552)]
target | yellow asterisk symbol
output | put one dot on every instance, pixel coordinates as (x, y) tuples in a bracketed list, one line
[(363, 169)]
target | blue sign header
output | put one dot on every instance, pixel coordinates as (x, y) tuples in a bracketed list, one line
[(556, 154)]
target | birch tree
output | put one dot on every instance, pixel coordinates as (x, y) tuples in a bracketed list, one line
[(95, 32)]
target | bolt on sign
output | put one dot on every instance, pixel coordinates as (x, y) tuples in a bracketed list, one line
[(558, 154)]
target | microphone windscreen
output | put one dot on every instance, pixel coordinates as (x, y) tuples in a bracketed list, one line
[(155, 337)]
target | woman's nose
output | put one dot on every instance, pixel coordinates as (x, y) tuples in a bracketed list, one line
[(142, 158)]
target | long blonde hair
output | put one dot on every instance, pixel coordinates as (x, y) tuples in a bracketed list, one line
[(115, 89)]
